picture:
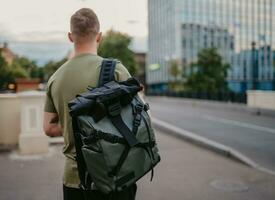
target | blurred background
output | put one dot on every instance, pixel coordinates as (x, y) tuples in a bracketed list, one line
[(33, 35), (208, 70)]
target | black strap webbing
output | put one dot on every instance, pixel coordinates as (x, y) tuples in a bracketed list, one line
[(124, 130), (107, 71), (124, 154), (81, 166), (121, 160), (137, 109)]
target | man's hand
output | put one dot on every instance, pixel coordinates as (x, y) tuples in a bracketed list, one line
[(50, 125)]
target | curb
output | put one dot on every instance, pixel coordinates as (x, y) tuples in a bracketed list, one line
[(208, 144), (261, 111)]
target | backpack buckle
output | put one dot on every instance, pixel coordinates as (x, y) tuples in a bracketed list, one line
[(146, 107), (137, 120), (114, 109), (138, 109), (82, 187)]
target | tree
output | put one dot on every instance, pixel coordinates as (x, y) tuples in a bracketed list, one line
[(5, 75), (116, 45), (29, 66), (175, 71), (37, 72), (17, 71), (8, 73), (209, 73), (21, 67)]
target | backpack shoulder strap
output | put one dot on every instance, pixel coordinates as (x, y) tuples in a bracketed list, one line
[(85, 179), (107, 71)]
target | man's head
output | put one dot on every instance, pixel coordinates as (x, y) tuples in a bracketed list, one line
[(85, 27)]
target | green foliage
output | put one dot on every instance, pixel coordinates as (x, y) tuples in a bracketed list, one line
[(8, 73), (209, 73), (175, 72), (18, 72), (37, 72), (21, 64), (51, 67), (174, 69), (25, 63), (21, 67), (116, 45), (5, 75)]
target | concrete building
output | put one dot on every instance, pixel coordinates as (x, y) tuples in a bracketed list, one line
[(179, 28), (140, 59), (196, 37), (252, 67), (7, 54)]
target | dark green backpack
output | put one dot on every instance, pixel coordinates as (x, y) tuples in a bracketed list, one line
[(114, 140)]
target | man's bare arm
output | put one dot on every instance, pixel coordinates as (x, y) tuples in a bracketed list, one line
[(50, 125)]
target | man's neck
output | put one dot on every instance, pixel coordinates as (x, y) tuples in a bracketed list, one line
[(85, 48)]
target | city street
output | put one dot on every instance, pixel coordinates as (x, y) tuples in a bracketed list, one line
[(250, 134), (206, 69), (185, 172)]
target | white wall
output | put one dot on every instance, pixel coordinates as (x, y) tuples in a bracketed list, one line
[(261, 99), (10, 106), (9, 119)]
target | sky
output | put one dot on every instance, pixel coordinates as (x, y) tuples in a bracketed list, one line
[(38, 29), (48, 20)]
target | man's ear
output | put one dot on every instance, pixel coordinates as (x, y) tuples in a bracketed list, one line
[(99, 37), (70, 36)]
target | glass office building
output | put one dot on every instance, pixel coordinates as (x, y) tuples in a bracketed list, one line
[(243, 31)]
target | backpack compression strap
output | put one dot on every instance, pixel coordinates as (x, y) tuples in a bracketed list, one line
[(107, 71), (107, 75), (85, 178)]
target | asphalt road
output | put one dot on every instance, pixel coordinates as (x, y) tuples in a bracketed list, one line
[(250, 134)]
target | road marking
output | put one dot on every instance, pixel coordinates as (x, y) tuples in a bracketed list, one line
[(240, 124)]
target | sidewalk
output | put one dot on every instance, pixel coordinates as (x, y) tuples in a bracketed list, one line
[(186, 172)]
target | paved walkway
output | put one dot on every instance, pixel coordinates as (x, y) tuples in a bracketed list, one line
[(186, 172)]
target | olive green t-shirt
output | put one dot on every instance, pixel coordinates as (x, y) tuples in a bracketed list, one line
[(70, 79)]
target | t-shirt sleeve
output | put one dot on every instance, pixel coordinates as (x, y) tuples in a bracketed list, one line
[(49, 105), (121, 73)]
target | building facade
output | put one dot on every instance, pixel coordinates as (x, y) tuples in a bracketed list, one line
[(7, 54), (140, 59), (242, 31)]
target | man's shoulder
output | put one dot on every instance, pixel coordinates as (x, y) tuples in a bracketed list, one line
[(81, 60), (59, 70), (76, 62), (84, 59), (121, 72)]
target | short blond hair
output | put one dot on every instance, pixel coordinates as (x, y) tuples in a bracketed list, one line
[(84, 23)]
